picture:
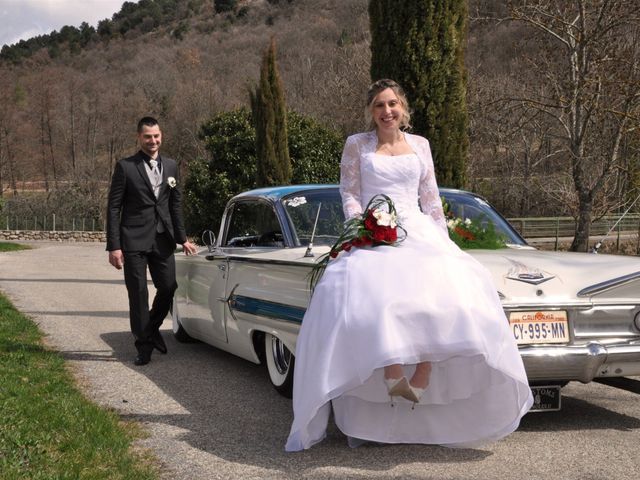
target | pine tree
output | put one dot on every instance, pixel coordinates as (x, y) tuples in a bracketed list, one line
[(270, 119), (420, 44)]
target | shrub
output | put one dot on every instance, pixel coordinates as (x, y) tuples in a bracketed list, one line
[(314, 149), (229, 138)]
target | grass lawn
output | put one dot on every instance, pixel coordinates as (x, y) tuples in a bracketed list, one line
[(48, 430), (12, 247)]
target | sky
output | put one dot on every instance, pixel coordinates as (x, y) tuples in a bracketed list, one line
[(23, 19)]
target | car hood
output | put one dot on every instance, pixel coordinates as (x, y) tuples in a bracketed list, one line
[(527, 276)]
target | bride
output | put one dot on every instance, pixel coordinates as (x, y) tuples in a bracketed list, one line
[(407, 343)]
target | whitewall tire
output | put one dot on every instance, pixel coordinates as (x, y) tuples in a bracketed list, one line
[(280, 363)]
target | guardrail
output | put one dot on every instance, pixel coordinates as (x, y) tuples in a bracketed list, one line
[(528, 227), (554, 227)]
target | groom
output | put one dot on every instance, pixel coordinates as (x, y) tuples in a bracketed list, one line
[(144, 223)]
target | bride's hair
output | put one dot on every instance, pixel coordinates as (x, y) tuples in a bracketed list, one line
[(372, 93)]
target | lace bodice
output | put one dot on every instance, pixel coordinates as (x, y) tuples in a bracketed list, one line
[(408, 179)]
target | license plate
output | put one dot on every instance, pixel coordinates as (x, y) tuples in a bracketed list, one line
[(545, 398), (539, 327)]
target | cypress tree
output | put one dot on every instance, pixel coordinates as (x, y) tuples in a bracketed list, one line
[(270, 120), (420, 44)]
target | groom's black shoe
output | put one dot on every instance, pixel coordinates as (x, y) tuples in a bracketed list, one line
[(158, 342), (142, 359)]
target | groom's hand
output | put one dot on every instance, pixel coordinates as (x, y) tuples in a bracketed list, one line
[(116, 258), (189, 248)]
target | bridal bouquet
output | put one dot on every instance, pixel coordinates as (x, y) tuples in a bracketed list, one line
[(377, 225)]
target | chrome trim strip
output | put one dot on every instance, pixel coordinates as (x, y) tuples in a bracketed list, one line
[(512, 307), (270, 261), (266, 308), (609, 284)]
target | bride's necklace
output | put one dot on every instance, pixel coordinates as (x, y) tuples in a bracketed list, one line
[(398, 147)]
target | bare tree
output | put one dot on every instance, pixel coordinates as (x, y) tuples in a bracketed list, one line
[(590, 90)]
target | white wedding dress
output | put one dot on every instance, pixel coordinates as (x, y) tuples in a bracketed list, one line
[(424, 300)]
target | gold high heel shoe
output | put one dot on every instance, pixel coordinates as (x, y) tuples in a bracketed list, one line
[(414, 395), (397, 387)]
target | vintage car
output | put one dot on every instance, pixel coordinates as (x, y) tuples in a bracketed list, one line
[(575, 316)]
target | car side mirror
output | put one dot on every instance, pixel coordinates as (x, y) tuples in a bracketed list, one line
[(209, 239)]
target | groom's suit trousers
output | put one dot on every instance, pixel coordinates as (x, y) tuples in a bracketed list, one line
[(160, 260)]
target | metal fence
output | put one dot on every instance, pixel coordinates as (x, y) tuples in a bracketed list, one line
[(554, 227), (52, 223), (528, 227)]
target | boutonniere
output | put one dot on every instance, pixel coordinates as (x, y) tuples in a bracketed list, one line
[(171, 182)]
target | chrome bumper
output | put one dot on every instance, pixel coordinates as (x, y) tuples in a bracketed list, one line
[(581, 362)]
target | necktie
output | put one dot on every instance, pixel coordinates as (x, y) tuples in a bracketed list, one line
[(155, 176), (156, 180)]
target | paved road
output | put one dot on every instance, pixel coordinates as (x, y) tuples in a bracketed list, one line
[(211, 415)]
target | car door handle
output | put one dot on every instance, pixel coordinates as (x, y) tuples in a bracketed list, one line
[(222, 267)]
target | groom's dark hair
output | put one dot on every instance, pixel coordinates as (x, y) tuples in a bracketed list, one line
[(146, 122)]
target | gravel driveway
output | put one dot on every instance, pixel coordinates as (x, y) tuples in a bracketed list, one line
[(211, 415)]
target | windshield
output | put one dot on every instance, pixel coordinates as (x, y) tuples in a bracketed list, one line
[(302, 208), (464, 205)]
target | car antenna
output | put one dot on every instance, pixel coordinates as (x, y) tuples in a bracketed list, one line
[(309, 253), (599, 243)]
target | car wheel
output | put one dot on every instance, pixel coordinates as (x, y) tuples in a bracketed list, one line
[(280, 363), (178, 330)]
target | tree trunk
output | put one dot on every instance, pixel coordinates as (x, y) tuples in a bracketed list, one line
[(45, 171), (50, 139), (583, 227), (1, 163), (11, 163), (72, 120), (526, 179)]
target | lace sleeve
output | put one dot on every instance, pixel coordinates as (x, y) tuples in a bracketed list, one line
[(428, 192), (350, 179)]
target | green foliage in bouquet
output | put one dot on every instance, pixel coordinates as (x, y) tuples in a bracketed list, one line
[(472, 233)]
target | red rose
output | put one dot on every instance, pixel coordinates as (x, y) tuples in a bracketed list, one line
[(392, 235), (334, 253), (379, 234), (370, 222), (366, 241), (346, 246)]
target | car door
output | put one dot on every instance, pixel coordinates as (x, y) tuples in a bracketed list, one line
[(201, 298), (253, 229)]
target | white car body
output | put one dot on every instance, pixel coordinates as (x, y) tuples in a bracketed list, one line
[(249, 298)]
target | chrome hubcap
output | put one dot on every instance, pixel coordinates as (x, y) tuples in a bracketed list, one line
[(281, 355)]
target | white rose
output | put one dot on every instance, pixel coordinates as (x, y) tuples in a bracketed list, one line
[(394, 220), (383, 218), (171, 182)]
